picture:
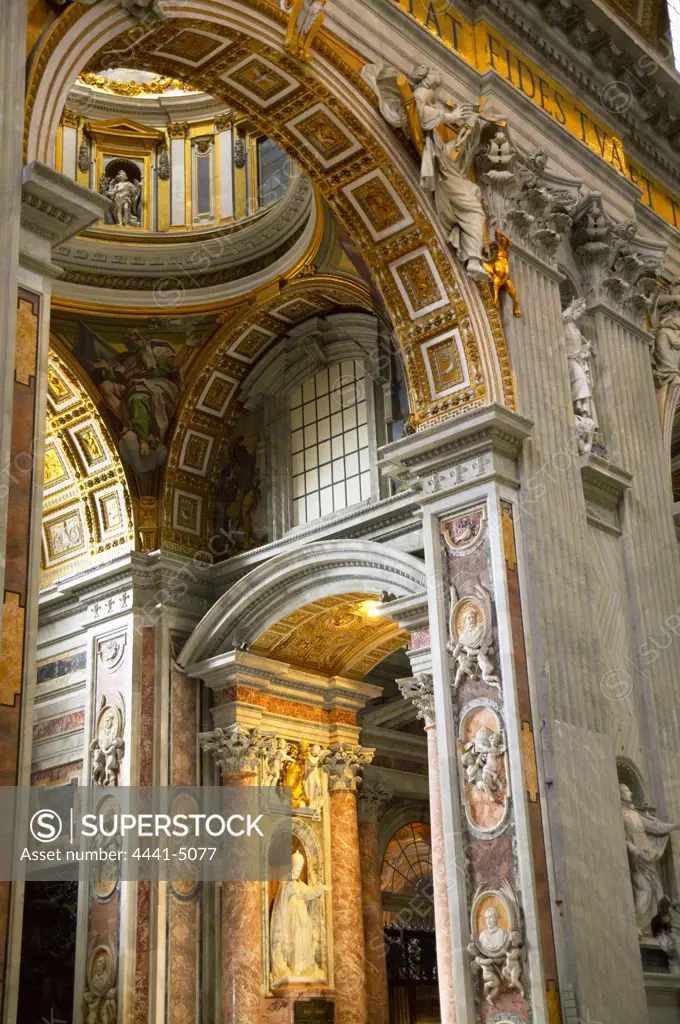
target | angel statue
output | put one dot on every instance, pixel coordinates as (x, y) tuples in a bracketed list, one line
[(305, 18), (471, 638), (446, 137), (664, 315), (124, 194)]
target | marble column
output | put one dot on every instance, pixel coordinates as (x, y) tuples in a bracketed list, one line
[(619, 277), (373, 798), (420, 691), (237, 752), (349, 970)]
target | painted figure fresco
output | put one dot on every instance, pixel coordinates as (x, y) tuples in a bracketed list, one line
[(239, 494), (140, 388)]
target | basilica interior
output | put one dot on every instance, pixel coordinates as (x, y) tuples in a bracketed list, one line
[(340, 425)]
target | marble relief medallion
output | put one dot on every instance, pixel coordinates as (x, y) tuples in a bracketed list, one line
[(107, 872), (465, 532), (496, 940), (482, 751)]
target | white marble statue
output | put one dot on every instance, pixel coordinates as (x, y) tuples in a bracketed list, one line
[(124, 194), (108, 746), (480, 760), (276, 755), (472, 646), (664, 315), (444, 164), (646, 841), (291, 942), (312, 781), (579, 352), (498, 952)]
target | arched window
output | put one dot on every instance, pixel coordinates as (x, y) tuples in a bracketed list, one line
[(329, 442), (407, 863)]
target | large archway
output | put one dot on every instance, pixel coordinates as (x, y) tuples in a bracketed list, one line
[(324, 115), (297, 577)]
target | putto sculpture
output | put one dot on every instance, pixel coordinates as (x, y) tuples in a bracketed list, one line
[(446, 136)]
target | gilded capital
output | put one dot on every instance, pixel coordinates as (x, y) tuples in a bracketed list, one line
[(178, 130)]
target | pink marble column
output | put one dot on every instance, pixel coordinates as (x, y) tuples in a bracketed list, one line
[(419, 690), (348, 926), (241, 930), (241, 996), (373, 797), (440, 884)]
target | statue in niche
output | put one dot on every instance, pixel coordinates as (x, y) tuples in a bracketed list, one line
[(664, 316), (446, 137), (579, 352), (471, 638), (312, 779), (292, 945), (646, 841), (124, 195)]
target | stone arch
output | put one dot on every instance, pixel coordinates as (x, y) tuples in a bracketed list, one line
[(325, 115), (282, 584), (87, 506)]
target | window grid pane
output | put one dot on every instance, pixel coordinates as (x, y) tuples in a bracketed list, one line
[(331, 463)]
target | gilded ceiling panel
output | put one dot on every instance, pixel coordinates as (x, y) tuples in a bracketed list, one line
[(333, 637)]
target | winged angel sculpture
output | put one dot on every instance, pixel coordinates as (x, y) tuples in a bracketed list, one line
[(446, 137)]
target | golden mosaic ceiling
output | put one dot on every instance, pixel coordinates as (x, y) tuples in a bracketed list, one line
[(333, 637), (87, 510)]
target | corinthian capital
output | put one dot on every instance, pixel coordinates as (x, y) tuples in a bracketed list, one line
[(373, 800), (525, 200), (420, 691), (236, 748), (619, 269), (343, 764)]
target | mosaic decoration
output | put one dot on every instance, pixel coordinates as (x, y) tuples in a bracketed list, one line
[(86, 503)]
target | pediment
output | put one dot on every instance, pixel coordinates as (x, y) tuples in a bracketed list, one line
[(123, 128)]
